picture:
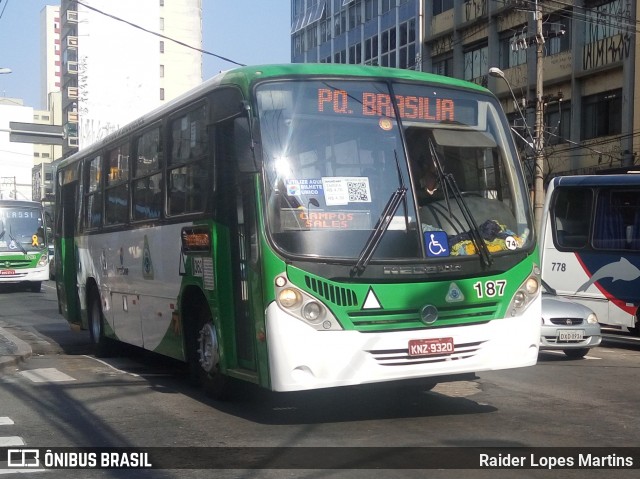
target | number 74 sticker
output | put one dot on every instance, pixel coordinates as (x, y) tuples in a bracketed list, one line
[(490, 289)]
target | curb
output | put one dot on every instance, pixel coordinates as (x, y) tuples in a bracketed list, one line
[(13, 350)]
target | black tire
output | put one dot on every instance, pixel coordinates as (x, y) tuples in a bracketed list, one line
[(204, 357), (35, 286), (576, 353), (102, 346)]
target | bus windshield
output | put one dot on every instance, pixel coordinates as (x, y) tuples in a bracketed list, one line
[(336, 151), (21, 229)]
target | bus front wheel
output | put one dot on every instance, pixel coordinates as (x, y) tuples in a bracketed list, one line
[(205, 358)]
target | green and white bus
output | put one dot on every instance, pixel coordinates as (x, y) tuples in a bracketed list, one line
[(270, 226), (24, 252)]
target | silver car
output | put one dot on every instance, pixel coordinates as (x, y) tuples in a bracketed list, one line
[(567, 325)]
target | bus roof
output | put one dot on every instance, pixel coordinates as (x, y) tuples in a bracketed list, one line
[(629, 179), (246, 76), (20, 203)]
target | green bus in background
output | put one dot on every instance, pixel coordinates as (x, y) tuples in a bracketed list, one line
[(306, 226), (24, 253)]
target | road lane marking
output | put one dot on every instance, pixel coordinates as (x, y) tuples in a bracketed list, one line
[(112, 367), (44, 375), (8, 441), (6, 421)]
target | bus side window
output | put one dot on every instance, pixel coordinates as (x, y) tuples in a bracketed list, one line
[(571, 221), (609, 231)]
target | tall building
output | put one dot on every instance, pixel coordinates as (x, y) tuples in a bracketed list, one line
[(119, 61), (588, 63), (370, 32), (50, 54)]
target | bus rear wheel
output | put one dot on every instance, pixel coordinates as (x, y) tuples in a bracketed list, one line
[(101, 344), (205, 357)]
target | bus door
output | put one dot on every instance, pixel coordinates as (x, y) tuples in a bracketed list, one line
[(246, 278), (65, 252), (237, 211)]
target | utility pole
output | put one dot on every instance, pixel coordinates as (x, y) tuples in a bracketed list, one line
[(538, 187)]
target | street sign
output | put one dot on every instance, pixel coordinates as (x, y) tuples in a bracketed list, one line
[(35, 133)]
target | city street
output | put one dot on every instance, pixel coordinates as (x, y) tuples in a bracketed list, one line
[(65, 397)]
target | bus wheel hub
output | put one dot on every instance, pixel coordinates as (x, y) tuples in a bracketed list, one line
[(208, 355)]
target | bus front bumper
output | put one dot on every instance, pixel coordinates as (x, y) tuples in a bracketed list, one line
[(301, 358)]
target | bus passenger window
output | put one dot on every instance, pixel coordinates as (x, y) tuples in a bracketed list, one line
[(571, 220)]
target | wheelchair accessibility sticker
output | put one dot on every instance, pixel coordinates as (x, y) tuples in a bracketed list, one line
[(437, 243)]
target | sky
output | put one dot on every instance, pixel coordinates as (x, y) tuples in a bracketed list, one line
[(250, 32)]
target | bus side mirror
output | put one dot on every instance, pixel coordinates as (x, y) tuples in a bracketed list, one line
[(246, 148)]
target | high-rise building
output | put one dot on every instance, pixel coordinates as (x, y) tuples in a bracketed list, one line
[(588, 65), (119, 61), (370, 32), (50, 54)]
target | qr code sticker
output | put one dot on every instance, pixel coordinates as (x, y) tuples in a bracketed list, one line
[(358, 190)]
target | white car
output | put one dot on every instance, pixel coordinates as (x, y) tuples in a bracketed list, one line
[(567, 326)]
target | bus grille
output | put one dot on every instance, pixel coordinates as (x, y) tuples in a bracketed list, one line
[(400, 357), (335, 294), (373, 320), (16, 263)]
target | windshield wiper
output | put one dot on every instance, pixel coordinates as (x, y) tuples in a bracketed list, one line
[(382, 225), (451, 184), (22, 248)]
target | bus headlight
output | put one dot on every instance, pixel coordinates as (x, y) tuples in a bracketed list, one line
[(312, 311), (526, 293), (43, 261), (289, 298), (304, 306)]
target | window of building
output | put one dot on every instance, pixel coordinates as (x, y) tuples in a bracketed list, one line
[(370, 9), (476, 63), (371, 50), (513, 48), (443, 65), (605, 20), (161, 93), (387, 4), (557, 120), (557, 29), (388, 48), (407, 46), (355, 53), (161, 24), (161, 46), (440, 6), (602, 114)]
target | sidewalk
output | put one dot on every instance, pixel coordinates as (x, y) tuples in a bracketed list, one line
[(12, 349)]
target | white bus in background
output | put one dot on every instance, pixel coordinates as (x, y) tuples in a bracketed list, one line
[(590, 245), (24, 252)]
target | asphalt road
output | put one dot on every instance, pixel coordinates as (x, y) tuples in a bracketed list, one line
[(62, 396)]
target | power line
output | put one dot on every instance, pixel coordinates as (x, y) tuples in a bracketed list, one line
[(159, 34), (4, 8)]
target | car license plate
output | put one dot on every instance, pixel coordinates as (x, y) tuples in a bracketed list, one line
[(430, 347), (570, 335), (7, 272)]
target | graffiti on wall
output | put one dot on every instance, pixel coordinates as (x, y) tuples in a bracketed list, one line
[(442, 45), (606, 51), (607, 35)]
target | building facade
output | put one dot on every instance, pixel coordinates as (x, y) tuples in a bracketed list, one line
[(119, 62), (588, 63)]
